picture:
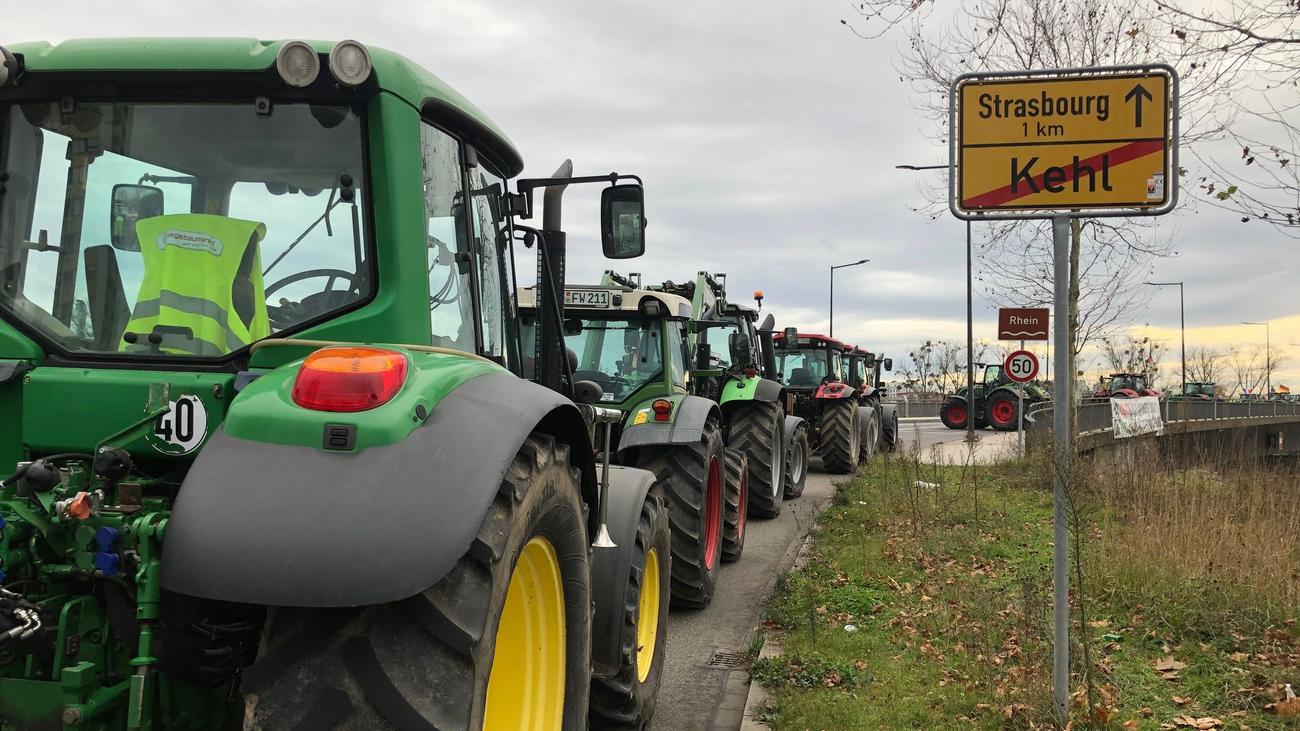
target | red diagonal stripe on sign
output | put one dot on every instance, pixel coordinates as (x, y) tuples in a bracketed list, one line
[(1117, 156)]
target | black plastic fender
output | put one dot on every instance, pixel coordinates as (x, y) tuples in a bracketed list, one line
[(768, 390), (792, 423), (889, 423), (629, 489), (686, 428), (865, 415), (297, 526)]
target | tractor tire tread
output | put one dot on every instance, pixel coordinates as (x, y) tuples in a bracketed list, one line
[(752, 429), (733, 526), (836, 442), (423, 662)]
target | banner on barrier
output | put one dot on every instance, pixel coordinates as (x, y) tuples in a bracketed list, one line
[(1133, 416)]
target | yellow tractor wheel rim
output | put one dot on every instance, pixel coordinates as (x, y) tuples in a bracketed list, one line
[(526, 690), (647, 622)]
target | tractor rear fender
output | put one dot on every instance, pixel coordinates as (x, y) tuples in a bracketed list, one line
[(955, 398), (610, 567), (686, 424), (792, 425), (751, 389), (834, 390), (290, 525), (888, 416), (865, 415)]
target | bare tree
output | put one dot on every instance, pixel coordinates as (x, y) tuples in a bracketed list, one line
[(1108, 258), (1205, 364), (1257, 44), (919, 370), (951, 365), (1128, 354), (1243, 365)]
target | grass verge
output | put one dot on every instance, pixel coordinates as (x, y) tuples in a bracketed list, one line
[(926, 603)]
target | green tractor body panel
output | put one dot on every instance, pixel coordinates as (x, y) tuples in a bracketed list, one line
[(272, 512), (265, 412)]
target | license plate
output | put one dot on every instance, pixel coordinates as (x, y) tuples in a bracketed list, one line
[(586, 298)]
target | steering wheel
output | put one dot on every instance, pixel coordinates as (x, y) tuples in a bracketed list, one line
[(287, 313)]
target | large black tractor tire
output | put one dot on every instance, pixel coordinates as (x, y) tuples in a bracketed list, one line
[(737, 499), (840, 442), (1003, 413), (890, 434), (872, 441), (627, 700), (428, 661), (954, 414), (689, 478), (796, 463), (757, 430)]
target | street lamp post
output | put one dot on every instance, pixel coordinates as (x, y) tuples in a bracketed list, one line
[(833, 268), (970, 322), (1182, 327), (1268, 359)]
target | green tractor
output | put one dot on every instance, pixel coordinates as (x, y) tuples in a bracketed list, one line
[(273, 461), (1199, 391), (841, 429), (997, 402), (734, 367), (629, 342)]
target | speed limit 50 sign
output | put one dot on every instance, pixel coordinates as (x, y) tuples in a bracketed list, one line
[(1021, 366)]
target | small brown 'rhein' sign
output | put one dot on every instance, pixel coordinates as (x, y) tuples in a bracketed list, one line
[(1022, 323)]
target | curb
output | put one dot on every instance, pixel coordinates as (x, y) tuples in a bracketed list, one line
[(757, 700)]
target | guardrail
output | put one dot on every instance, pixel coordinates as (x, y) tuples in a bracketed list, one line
[(909, 407), (1095, 414)]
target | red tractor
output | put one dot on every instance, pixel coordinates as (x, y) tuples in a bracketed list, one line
[(1125, 385), (813, 370)]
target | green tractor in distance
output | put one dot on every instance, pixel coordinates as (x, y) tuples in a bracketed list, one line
[(273, 461), (630, 342), (864, 375), (735, 367), (1197, 391), (996, 402), (840, 429)]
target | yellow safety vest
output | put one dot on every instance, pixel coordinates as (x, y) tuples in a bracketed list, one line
[(191, 264)]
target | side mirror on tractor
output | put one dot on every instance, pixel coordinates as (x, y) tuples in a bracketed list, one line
[(741, 357), (131, 203), (790, 337), (889, 364), (622, 221)]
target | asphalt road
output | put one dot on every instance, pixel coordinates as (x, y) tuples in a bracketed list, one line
[(692, 692)]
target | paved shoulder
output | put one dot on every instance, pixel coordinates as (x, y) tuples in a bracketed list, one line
[(700, 689)]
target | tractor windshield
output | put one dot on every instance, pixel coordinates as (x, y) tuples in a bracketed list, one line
[(807, 368), (719, 340), (178, 230), (620, 355)]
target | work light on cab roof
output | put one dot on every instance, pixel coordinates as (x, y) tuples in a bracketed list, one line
[(350, 63), (298, 64)]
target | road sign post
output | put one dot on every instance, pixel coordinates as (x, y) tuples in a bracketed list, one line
[(1058, 144)]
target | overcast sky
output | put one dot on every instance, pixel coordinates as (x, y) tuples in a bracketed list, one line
[(767, 135)]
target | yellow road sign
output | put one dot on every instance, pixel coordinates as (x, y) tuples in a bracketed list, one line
[(1064, 142)]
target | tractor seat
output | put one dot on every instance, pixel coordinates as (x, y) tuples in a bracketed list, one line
[(801, 377)]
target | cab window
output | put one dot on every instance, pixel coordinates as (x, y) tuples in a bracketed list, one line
[(451, 300), (494, 270)]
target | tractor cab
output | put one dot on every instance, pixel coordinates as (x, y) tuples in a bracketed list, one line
[(627, 341), (1197, 391), (1125, 385), (809, 363)]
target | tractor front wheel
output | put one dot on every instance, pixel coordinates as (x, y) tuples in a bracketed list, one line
[(1003, 412), (503, 641), (737, 494), (841, 436), (627, 700), (796, 463), (758, 430), (690, 478), (953, 414)]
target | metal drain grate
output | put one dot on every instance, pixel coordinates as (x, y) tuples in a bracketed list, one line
[(726, 659)]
